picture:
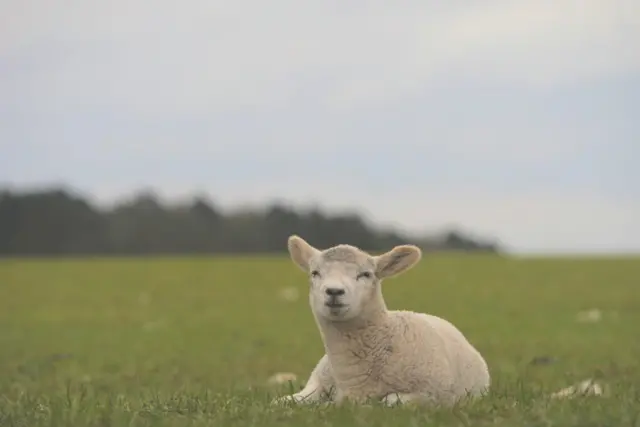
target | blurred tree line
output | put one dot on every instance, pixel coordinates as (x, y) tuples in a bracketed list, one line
[(56, 222)]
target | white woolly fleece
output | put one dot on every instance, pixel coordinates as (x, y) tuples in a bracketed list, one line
[(375, 353)]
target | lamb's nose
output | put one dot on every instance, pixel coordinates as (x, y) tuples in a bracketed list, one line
[(334, 292)]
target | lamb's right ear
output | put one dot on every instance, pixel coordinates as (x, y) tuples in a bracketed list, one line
[(300, 251)]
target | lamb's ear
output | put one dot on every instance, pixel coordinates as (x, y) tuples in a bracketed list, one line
[(397, 260), (300, 251)]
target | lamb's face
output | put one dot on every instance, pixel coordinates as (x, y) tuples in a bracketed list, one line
[(344, 280)]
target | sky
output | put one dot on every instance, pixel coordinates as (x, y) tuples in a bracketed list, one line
[(508, 119)]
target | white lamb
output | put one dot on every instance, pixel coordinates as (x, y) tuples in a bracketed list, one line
[(375, 353)]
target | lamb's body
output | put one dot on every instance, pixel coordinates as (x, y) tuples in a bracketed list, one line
[(393, 356), (417, 356)]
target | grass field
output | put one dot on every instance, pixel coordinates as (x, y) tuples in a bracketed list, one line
[(192, 341)]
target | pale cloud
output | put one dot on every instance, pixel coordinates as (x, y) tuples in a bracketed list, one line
[(541, 44), (161, 57)]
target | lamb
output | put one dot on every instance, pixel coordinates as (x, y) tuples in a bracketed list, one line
[(372, 353)]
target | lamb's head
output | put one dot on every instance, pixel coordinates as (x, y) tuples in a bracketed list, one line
[(345, 280)]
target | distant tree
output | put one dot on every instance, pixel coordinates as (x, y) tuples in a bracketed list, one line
[(55, 222)]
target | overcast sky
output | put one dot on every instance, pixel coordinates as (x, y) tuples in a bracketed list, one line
[(513, 119)]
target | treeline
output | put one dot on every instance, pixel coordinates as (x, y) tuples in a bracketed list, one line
[(57, 223)]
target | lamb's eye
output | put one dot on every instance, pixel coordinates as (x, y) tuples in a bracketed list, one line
[(364, 274), (315, 273)]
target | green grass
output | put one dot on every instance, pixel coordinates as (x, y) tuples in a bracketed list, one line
[(192, 341)]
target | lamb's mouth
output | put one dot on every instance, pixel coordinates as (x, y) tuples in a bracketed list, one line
[(334, 305)]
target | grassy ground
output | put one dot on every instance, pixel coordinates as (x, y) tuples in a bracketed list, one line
[(192, 342)]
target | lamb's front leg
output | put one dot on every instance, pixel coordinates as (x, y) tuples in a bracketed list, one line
[(318, 388), (394, 399)]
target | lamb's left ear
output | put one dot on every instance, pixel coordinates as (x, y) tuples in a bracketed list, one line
[(397, 260)]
